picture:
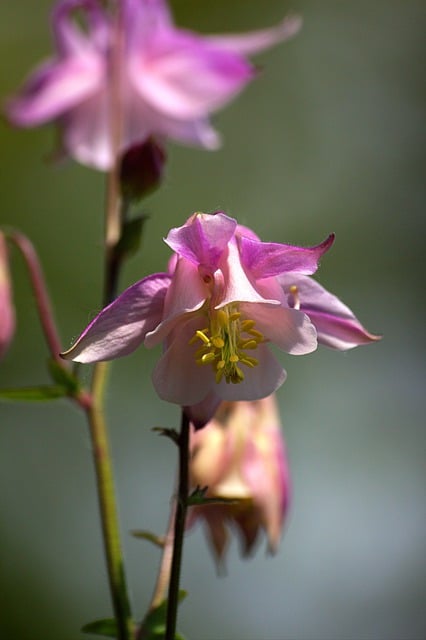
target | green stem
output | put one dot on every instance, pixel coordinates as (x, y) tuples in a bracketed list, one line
[(179, 532), (107, 504)]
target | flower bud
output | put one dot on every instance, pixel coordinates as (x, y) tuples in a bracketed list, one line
[(142, 169), (7, 312), (240, 455)]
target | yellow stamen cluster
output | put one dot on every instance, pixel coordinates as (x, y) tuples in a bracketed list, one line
[(225, 342)]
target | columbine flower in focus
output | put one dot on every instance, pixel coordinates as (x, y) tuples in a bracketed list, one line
[(7, 312), (240, 455), (215, 314), (169, 80)]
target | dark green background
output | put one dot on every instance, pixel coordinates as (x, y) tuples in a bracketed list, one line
[(329, 138)]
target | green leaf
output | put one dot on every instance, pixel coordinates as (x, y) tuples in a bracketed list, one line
[(63, 376), (154, 625), (148, 535), (106, 627), (168, 433), (131, 236), (33, 394), (198, 497)]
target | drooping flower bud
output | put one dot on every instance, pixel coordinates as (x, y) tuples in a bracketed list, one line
[(240, 455), (7, 311), (142, 169)]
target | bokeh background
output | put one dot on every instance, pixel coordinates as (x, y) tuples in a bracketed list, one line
[(329, 138)]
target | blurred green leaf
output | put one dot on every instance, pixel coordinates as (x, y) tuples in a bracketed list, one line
[(198, 497), (63, 376), (154, 625), (106, 627), (148, 535), (131, 236), (33, 394)]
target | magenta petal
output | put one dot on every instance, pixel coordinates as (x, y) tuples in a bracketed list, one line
[(289, 329), (256, 41), (182, 76), (336, 324), (203, 238), (119, 328), (259, 381), (54, 89), (266, 259)]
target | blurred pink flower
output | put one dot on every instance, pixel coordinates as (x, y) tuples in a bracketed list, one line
[(170, 80), (7, 312), (240, 455)]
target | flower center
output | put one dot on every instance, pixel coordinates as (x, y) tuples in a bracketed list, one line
[(225, 342)]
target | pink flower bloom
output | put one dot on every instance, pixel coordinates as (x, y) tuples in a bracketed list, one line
[(7, 312), (240, 455), (171, 80), (215, 313)]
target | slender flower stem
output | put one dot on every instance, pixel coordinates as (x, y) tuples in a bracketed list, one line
[(106, 494), (163, 578), (179, 532), (41, 295)]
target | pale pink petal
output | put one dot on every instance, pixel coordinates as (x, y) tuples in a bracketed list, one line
[(289, 329), (7, 310), (121, 327), (259, 381), (336, 324), (87, 135), (256, 41), (187, 293), (71, 39), (177, 377)]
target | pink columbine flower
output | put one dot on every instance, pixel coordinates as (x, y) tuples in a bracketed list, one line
[(216, 311), (7, 312), (240, 455), (170, 80)]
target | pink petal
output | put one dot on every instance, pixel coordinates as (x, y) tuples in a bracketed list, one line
[(336, 324), (259, 381), (289, 329), (203, 411), (266, 259), (256, 41), (187, 293), (203, 238), (72, 40), (183, 77), (121, 327), (177, 377), (54, 89)]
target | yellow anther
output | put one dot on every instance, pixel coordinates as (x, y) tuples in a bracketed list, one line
[(246, 325), (233, 358), (250, 362), (220, 364), (218, 342), (256, 334), (208, 357), (222, 318), (202, 337), (293, 289), (235, 316), (219, 375), (249, 344)]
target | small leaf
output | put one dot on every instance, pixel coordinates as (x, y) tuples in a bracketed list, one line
[(33, 394), (148, 535), (168, 433), (106, 627), (198, 497), (154, 625), (131, 236), (63, 376)]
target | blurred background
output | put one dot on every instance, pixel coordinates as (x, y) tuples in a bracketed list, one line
[(329, 138)]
